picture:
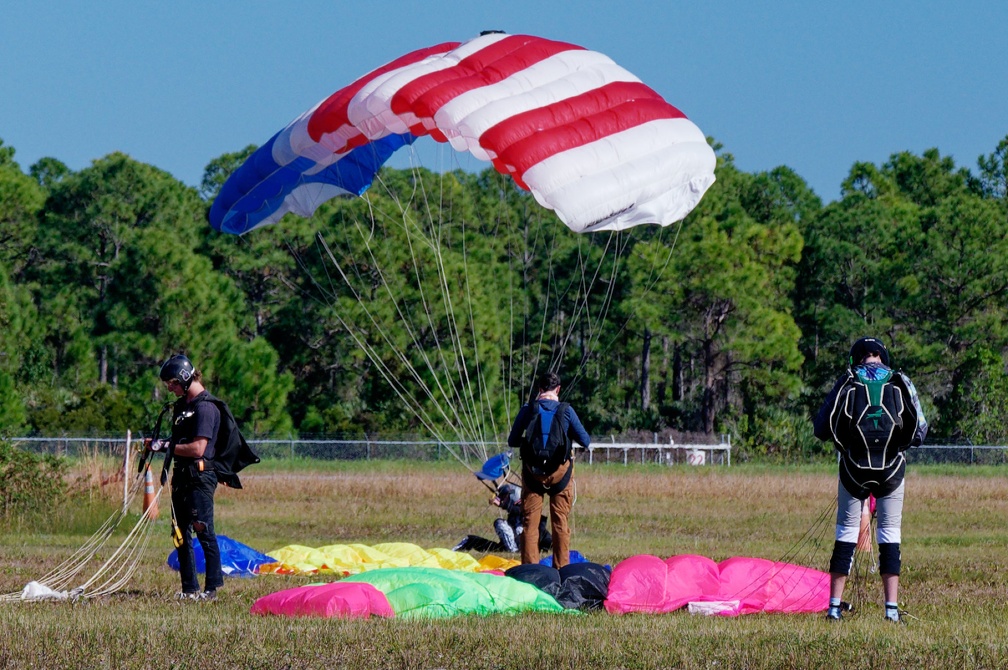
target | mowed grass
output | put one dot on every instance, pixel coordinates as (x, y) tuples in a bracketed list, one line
[(955, 579)]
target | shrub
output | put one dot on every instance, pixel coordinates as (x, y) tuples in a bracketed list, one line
[(776, 434), (28, 482)]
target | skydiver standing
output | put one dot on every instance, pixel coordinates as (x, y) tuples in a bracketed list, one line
[(872, 415), (544, 432), (195, 425)]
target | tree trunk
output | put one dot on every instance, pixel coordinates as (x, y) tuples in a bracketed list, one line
[(645, 381), (677, 375), (662, 386), (710, 390)]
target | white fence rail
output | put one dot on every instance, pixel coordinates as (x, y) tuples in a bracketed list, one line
[(669, 454)]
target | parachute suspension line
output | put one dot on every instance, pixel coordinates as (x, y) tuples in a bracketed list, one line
[(461, 393), (580, 287), (396, 385), (863, 567), (383, 369), (521, 273), (409, 326), (121, 564), (60, 577), (655, 276), (331, 293), (483, 390), (595, 329), (649, 287), (363, 345), (594, 326), (806, 550), (432, 241), (465, 382), (63, 574)]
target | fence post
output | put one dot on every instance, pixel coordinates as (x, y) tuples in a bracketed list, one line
[(126, 460)]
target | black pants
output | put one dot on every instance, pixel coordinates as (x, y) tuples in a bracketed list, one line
[(193, 500)]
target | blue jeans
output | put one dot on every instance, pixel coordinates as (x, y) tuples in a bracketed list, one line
[(193, 500)]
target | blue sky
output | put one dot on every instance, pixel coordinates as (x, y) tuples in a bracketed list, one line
[(814, 86)]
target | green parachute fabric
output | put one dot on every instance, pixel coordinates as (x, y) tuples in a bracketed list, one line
[(419, 592)]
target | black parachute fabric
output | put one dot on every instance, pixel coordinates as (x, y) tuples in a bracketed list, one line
[(581, 586)]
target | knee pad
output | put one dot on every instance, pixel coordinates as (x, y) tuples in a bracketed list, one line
[(842, 558), (889, 558)]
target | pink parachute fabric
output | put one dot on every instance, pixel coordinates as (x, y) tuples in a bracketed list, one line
[(735, 586), (646, 583), (344, 600), (585, 136)]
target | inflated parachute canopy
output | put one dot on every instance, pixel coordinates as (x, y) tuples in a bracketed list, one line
[(585, 136)]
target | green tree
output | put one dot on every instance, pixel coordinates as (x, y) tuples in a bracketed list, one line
[(725, 295), (48, 172), (994, 171), (21, 199), (915, 253), (976, 410), (18, 330), (123, 285)]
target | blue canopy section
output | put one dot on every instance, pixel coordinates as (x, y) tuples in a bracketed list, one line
[(237, 559), (261, 187), (495, 467)]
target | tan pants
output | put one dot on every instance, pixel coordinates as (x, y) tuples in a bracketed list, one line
[(560, 507)]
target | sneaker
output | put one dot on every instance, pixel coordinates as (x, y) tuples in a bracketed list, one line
[(835, 613), (188, 595), (208, 595), (895, 615)]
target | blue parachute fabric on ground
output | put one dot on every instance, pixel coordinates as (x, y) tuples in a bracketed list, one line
[(575, 557), (237, 559)]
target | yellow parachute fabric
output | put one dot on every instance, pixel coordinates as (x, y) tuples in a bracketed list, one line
[(351, 559)]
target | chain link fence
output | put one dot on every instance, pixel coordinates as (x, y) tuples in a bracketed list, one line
[(367, 448)]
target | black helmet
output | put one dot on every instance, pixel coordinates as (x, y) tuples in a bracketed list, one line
[(868, 345), (180, 369)]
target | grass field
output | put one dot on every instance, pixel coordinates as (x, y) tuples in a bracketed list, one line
[(955, 578)]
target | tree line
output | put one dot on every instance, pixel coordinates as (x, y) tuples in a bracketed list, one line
[(428, 305)]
